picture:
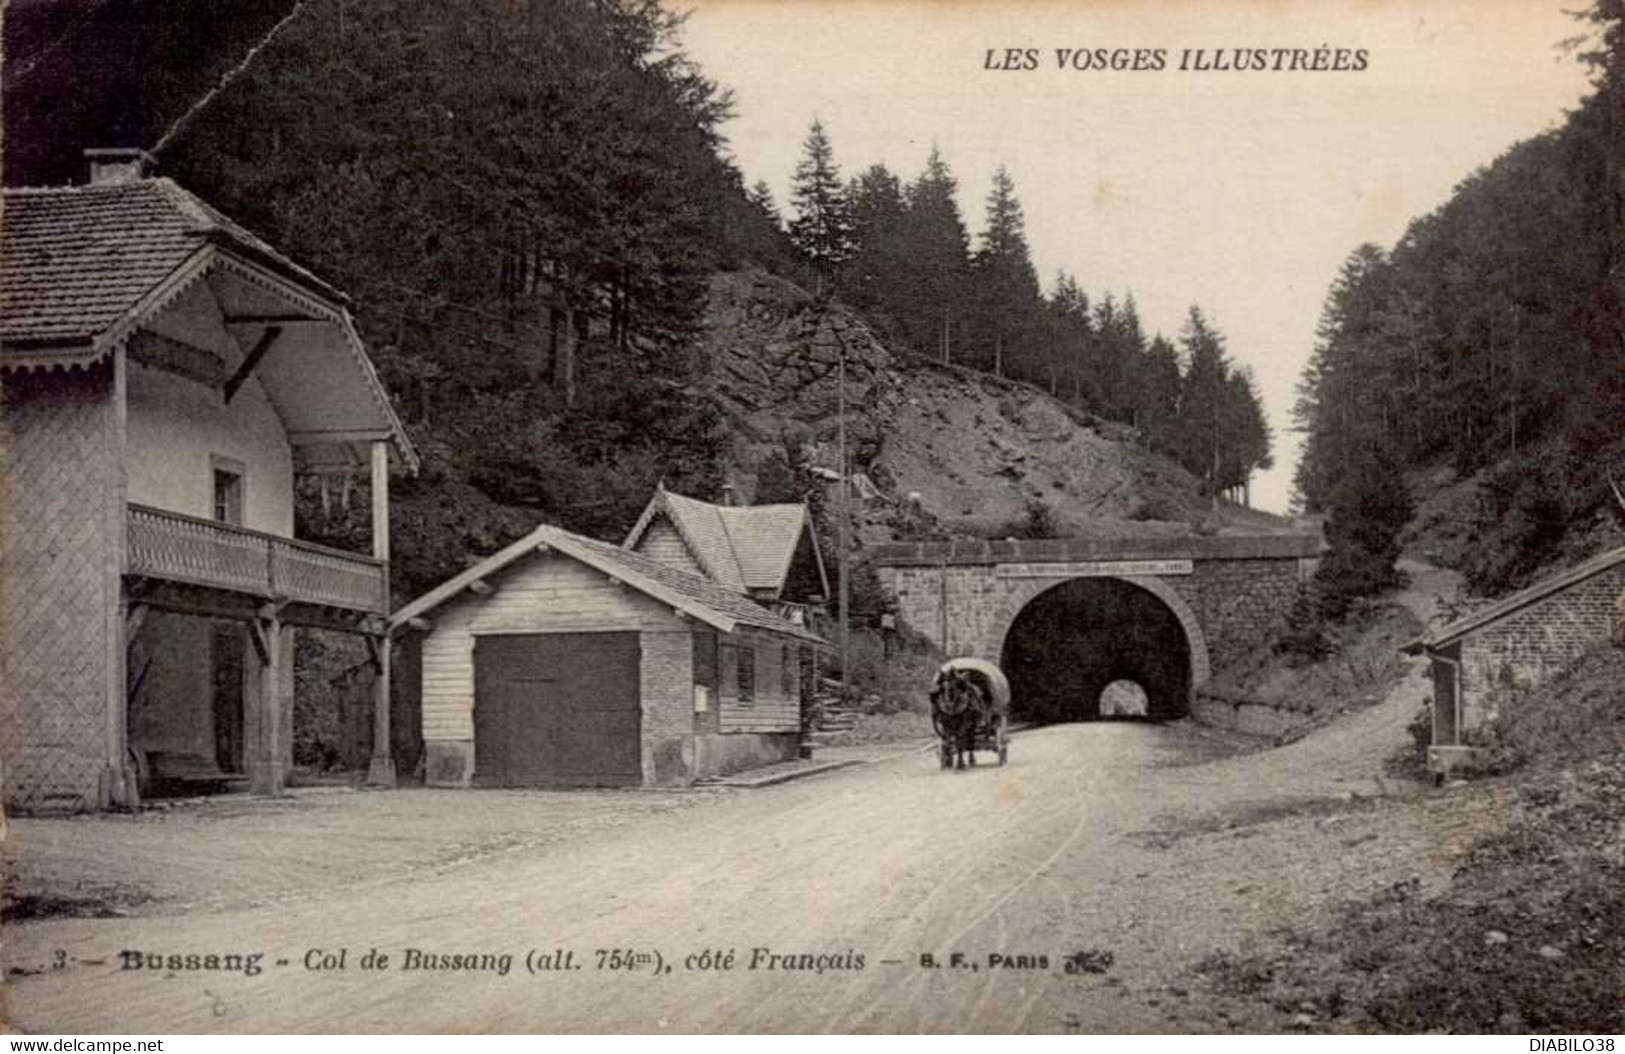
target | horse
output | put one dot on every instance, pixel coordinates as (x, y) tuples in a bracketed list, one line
[(958, 711)]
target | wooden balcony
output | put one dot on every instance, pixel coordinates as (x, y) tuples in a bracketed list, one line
[(170, 547)]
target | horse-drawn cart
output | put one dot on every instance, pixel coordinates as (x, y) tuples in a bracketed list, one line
[(970, 711)]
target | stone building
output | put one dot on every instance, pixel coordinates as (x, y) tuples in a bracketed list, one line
[(1483, 662)]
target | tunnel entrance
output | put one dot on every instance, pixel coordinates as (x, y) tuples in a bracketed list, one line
[(1073, 641), (1124, 699)]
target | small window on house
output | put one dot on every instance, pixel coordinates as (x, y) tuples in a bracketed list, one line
[(787, 671), (228, 491), (747, 675)]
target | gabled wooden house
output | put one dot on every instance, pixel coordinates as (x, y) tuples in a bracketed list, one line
[(561, 660), (166, 375), (766, 552)]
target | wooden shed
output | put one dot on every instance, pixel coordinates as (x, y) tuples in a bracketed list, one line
[(564, 661)]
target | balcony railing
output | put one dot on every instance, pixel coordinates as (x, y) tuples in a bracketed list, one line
[(177, 548)]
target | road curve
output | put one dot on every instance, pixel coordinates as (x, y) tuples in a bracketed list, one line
[(891, 861)]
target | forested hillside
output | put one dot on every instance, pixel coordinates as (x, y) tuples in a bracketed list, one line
[(1483, 357), (901, 254), (529, 205)]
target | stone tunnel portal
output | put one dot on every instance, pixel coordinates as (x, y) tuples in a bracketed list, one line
[(1071, 641)]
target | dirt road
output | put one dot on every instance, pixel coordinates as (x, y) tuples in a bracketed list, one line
[(1120, 838)]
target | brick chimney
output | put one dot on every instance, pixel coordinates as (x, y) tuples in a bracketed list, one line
[(118, 164)]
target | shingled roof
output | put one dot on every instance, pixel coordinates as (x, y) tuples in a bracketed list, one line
[(707, 601), (1450, 633), (742, 547), (76, 262)]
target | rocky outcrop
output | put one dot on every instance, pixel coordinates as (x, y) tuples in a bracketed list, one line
[(955, 448)]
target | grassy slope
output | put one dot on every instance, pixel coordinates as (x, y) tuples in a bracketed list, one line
[(1530, 934)]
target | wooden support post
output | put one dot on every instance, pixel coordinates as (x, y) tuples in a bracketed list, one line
[(135, 617), (381, 769), (264, 689)]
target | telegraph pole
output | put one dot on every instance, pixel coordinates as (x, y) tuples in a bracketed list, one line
[(845, 525)]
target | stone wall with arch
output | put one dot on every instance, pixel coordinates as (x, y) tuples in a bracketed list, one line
[(1229, 594), (1024, 591)]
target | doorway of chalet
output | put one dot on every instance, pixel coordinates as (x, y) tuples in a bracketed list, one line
[(187, 698)]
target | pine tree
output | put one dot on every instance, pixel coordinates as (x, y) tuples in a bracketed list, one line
[(1339, 384), (1006, 296), (874, 277), (822, 227), (937, 261), (1120, 368), (1069, 336), (1157, 410), (1202, 399), (761, 196), (541, 268), (1246, 435)]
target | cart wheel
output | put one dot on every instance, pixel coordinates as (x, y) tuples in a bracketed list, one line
[(143, 775)]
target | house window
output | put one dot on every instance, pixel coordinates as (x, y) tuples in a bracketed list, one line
[(787, 671), (746, 674), (228, 491)]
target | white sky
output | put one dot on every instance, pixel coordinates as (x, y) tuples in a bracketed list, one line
[(1242, 192)]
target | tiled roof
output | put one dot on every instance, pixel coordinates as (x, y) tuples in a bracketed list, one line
[(1461, 627), (708, 601), (700, 590), (764, 540), (74, 261), (742, 547), (702, 527)]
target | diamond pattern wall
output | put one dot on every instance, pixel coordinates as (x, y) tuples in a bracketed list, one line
[(56, 471)]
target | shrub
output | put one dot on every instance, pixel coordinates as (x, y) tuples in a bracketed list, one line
[(1366, 511), (898, 671), (1039, 521), (1159, 508), (1519, 521), (1350, 573), (1304, 639), (868, 602)]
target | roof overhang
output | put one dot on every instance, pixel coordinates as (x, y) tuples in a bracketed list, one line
[(547, 539), (541, 540), (314, 369), (1452, 632)]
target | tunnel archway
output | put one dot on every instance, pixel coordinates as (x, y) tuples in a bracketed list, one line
[(1066, 643), (1124, 699)]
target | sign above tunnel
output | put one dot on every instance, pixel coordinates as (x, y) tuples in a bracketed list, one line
[(1094, 569)]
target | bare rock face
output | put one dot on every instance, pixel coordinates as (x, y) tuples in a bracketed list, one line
[(966, 451), (776, 364)]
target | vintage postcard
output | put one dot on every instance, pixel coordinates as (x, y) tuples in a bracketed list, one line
[(834, 516)]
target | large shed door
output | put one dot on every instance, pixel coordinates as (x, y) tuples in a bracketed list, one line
[(557, 709)]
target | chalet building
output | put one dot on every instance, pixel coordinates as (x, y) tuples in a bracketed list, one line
[(562, 660), (767, 552), (1483, 662), (166, 376)]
